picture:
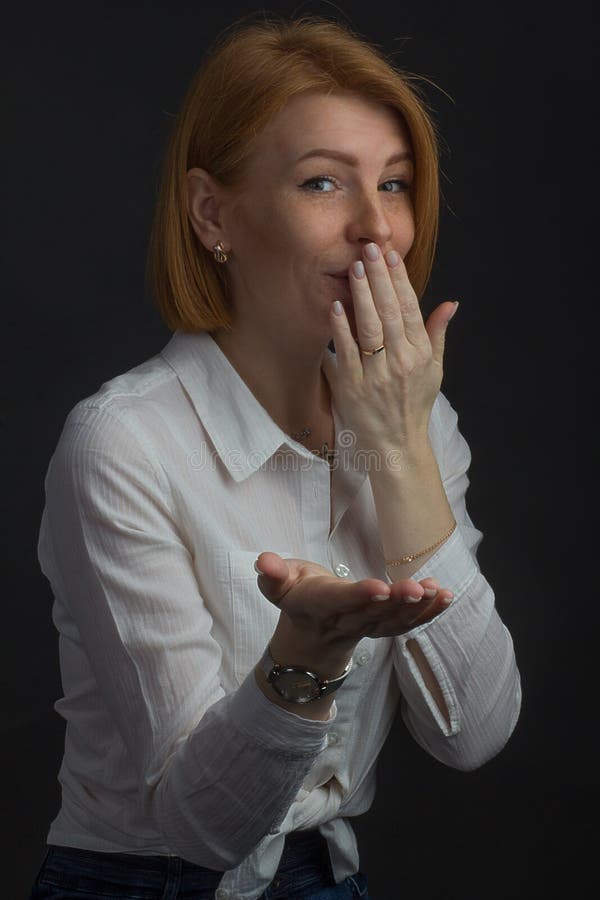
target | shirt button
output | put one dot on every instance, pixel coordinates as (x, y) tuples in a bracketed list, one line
[(221, 894), (363, 658), (341, 570), (333, 738)]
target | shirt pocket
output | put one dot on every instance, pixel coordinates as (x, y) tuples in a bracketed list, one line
[(254, 618)]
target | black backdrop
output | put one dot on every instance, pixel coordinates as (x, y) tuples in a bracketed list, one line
[(92, 88)]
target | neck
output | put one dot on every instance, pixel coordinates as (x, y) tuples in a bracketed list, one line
[(286, 380)]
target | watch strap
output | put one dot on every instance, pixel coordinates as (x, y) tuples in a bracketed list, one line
[(325, 686)]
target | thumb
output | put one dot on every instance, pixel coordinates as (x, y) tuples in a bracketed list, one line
[(436, 326), (274, 578)]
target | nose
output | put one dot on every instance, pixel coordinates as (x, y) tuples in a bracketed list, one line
[(370, 222)]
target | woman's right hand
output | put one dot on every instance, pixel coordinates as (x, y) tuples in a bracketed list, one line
[(324, 617)]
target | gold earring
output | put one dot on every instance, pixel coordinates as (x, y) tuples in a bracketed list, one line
[(219, 252)]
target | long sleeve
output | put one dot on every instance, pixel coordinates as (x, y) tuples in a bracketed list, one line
[(214, 772), (164, 487), (468, 648)]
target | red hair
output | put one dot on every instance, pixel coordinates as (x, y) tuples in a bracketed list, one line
[(246, 79)]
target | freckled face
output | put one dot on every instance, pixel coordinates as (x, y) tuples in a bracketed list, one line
[(328, 174)]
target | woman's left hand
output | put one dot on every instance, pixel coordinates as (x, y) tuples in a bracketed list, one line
[(386, 398)]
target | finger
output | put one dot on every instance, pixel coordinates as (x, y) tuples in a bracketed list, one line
[(338, 597), (384, 296), (437, 323), (395, 614), (428, 609), (399, 616), (408, 302), (430, 583), (329, 366), (348, 362), (406, 587), (405, 593), (369, 330), (432, 589), (334, 606)]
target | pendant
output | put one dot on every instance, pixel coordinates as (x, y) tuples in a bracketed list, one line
[(326, 454), (299, 436)]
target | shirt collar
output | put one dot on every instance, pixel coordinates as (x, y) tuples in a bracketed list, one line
[(242, 431)]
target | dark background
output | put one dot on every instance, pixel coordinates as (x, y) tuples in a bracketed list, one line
[(92, 89)]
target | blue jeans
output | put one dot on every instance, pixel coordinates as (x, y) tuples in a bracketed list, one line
[(304, 873)]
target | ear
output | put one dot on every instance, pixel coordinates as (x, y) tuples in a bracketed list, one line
[(205, 202)]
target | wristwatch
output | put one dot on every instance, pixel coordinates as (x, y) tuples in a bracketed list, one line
[(298, 685)]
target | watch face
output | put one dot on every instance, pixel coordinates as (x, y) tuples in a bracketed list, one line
[(296, 686)]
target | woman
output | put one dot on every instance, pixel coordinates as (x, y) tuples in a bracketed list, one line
[(259, 547)]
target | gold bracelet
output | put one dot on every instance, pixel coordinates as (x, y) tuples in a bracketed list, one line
[(412, 556)]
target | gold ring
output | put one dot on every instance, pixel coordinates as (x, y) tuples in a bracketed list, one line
[(372, 352)]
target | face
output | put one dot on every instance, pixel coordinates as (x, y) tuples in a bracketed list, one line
[(328, 175)]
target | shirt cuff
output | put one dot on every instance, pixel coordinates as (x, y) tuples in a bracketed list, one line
[(271, 726), (454, 567)]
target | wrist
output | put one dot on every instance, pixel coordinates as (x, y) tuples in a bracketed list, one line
[(415, 462), (326, 656), (317, 710), (303, 692), (298, 684)]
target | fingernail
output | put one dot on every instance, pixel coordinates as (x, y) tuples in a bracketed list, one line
[(358, 269), (392, 259), (430, 593), (446, 601), (409, 599), (372, 252), (256, 569), (379, 598), (454, 310), (338, 309)]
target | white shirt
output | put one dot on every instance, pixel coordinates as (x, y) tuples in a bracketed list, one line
[(164, 487)]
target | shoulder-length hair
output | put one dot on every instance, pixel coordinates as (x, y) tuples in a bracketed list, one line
[(247, 78)]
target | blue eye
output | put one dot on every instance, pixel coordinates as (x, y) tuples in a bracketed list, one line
[(316, 184), (394, 186)]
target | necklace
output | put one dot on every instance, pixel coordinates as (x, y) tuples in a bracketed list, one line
[(324, 453), (300, 435)]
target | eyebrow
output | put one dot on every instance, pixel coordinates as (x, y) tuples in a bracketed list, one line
[(352, 160)]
